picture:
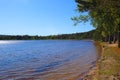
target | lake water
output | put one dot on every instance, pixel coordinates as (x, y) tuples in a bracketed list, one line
[(46, 59)]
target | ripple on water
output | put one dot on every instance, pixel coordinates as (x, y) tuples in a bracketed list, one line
[(46, 59)]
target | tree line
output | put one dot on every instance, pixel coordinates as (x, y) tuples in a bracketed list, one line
[(84, 35)]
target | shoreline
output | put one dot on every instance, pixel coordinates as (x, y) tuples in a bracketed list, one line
[(92, 74), (108, 66)]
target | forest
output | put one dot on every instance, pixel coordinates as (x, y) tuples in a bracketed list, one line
[(104, 15), (84, 35)]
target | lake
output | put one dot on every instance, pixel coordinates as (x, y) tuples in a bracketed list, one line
[(46, 59)]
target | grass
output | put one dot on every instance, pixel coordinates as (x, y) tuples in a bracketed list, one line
[(109, 64)]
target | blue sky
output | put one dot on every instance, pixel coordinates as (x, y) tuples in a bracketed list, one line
[(39, 17)]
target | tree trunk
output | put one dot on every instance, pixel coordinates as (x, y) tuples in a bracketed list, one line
[(119, 35), (114, 38), (106, 39), (110, 41)]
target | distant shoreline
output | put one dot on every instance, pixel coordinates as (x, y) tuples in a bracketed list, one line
[(72, 36)]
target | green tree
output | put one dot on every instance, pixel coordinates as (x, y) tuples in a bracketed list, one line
[(103, 14)]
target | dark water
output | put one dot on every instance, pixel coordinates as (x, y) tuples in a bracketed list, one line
[(45, 59)]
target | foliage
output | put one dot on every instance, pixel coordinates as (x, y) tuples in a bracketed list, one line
[(103, 14), (85, 35)]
